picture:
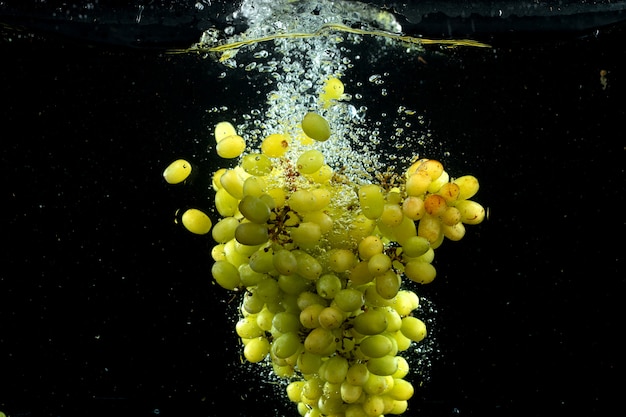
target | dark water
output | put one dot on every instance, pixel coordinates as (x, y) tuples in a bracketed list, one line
[(107, 306)]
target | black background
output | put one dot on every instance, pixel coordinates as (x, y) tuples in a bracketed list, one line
[(107, 306)]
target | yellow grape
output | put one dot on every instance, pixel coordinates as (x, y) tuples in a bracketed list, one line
[(196, 221), (231, 147), (420, 272), (275, 145), (468, 186), (177, 172), (224, 130), (471, 211)]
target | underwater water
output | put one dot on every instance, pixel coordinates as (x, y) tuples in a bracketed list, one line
[(109, 306)]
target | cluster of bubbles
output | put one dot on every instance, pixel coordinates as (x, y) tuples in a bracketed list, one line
[(322, 241)]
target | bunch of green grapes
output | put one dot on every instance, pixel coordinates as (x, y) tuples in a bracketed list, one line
[(320, 260)]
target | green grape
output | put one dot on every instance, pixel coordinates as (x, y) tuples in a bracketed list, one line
[(383, 366), (374, 405), (252, 303), (413, 328), (256, 164), (286, 322), (328, 285), (308, 266), (372, 200), (262, 261), (233, 183), (264, 319), (370, 322), (392, 215), (357, 374), (415, 246), (420, 272), (286, 345), (224, 230), (294, 391), (402, 341), (376, 346), (251, 234), (468, 186), (269, 290), (302, 201), (316, 127), (399, 407), (233, 255), (372, 298), (394, 320), (308, 298), (309, 316), (388, 284), (254, 209), (336, 369), (405, 302), (322, 198), (378, 384), (349, 299), (322, 175), (248, 276), (331, 318), (285, 262), (312, 389), (319, 217), (350, 393), (310, 161), (341, 260), (402, 390), (225, 203), (306, 233), (400, 233), (361, 274), (471, 211), (293, 284), (321, 342), (309, 363), (403, 368), (256, 349), (177, 172), (254, 186), (226, 275), (379, 264), (369, 247), (247, 328)]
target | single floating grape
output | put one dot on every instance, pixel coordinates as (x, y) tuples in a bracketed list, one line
[(196, 221), (177, 172), (316, 127)]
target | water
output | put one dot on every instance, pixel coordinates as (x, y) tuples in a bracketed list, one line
[(110, 306)]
